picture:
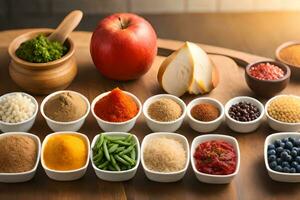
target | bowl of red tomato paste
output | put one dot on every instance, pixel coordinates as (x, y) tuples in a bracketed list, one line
[(215, 158), (267, 78)]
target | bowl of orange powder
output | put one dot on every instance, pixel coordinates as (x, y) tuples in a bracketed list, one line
[(116, 111)]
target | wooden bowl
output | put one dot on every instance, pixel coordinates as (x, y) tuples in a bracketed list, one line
[(42, 78), (267, 88), (295, 69)]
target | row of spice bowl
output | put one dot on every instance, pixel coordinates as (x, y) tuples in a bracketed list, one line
[(115, 156), (117, 111)]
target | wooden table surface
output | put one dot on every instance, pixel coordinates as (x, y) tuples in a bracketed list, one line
[(252, 182)]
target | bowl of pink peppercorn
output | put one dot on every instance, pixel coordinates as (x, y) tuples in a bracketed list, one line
[(267, 78)]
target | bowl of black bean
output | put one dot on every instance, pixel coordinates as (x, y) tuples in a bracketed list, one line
[(244, 114), (282, 156)]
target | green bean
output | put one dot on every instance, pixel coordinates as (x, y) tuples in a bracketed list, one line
[(103, 164), (122, 142), (101, 140), (121, 160), (126, 151), (111, 168), (128, 138), (113, 138), (128, 159), (114, 163), (105, 150), (98, 157), (104, 168), (133, 154), (113, 148), (119, 149)]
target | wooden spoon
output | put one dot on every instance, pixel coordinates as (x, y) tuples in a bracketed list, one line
[(69, 23)]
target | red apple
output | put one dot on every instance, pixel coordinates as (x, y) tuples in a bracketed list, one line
[(123, 46)]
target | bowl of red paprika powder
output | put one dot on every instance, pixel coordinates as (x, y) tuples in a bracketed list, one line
[(267, 78), (116, 110)]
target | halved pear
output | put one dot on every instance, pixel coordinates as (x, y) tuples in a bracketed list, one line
[(175, 74), (203, 71)]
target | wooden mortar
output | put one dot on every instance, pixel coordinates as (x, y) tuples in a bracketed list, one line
[(42, 78)]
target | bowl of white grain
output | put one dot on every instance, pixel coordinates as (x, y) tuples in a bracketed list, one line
[(18, 111)]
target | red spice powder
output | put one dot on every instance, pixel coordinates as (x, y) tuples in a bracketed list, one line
[(116, 107), (215, 157)]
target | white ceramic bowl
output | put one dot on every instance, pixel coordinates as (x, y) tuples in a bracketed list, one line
[(280, 176), (116, 126), (210, 178), (165, 177), (158, 126), (244, 127), (201, 126), (278, 125), (69, 175), (117, 175), (22, 176), (65, 126), (20, 126)]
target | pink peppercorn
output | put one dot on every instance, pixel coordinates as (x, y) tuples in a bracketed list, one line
[(266, 71)]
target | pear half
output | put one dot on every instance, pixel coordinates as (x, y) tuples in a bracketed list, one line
[(189, 69), (176, 72)]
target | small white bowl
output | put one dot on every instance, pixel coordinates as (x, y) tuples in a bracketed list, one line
[(278, 125), (68, 175), (116, 126), (280, 176), (22, 176), (165, 177), (117, 175), (210, 178), (65, 126), (201, 126), (158, 126), (244, 127), (20, 126)]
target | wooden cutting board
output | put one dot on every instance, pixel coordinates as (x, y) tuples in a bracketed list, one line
[(252, 182)]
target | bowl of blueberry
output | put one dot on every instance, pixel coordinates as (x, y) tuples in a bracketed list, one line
[(244, 114), (282, 156)]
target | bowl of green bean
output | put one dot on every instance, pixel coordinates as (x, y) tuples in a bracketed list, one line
[(115, 156)]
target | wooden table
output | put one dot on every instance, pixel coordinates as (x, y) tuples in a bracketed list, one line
[(252, 181)]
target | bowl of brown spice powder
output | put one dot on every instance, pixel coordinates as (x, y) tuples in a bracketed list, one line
[(19, 156)]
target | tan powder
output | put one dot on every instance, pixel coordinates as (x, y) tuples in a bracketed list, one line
[(165, 110), (65, 107), (18, 153)]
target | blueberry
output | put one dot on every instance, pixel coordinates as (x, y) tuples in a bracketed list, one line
[(279, 168), (286, 169), (271, 146), (282, 144), (271, 152), (277, 143), (273, 164), (289, 158), (293, 170), (279, 161), (294, 164), (297, 159), (297, 143), (284, 155), (294, 153), (272, 158), (288, 145), (288, 151), (295, 148), (285, 164), (285, 140), (279, 150), (298, 168), (292, 140)]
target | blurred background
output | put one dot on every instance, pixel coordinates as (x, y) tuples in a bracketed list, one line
[(215, 22)]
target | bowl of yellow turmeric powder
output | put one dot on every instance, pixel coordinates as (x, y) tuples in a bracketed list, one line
[(289, 54), (65, 155)]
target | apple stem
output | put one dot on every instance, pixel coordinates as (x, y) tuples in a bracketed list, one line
[(121, 23)]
